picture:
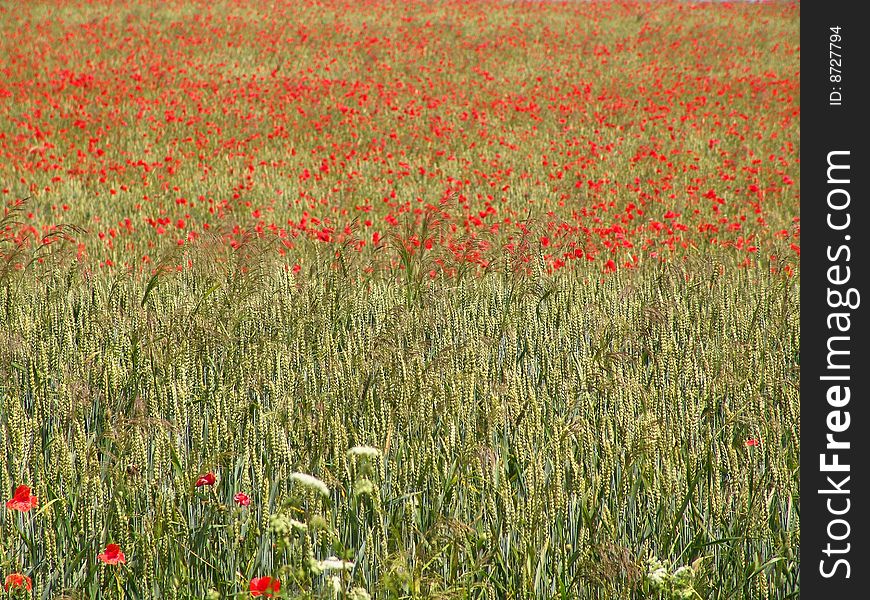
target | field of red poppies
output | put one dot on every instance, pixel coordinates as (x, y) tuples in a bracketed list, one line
[(410, 299)]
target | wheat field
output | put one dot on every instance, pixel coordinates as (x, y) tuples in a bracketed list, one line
[(493, 300)]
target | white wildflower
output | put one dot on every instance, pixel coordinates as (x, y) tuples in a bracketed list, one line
[(333, 563), (366, 451), (659, 576), (310, 482)]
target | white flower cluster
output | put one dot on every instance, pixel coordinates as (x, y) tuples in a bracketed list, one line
[(678, 585), (333, 563), (364, 451), (310, 482)]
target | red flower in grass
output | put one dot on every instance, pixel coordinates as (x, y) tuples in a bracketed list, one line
[(242, 499), (753, 442), (207, 479), (22, 499), (264, 586), (112, 555), (17, 581)]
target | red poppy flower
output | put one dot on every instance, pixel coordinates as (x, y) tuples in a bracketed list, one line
[(242, 499), (264, 586), (112, 555), (17, 581), (207, 479), (22, 499), (753, 442)]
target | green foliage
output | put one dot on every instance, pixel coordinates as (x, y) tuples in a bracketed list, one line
[(538, 441)]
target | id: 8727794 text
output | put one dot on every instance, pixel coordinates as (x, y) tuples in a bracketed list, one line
[(835, 67)]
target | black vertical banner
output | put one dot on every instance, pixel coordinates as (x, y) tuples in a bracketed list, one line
[(835, 356)]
